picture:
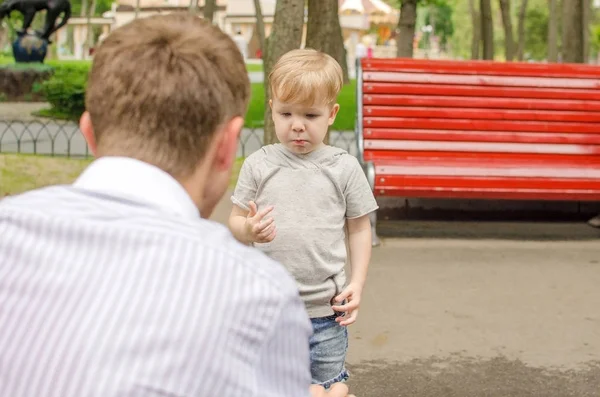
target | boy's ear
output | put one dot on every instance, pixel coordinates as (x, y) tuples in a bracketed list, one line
[(333, 113), (271, 103), (87, 130)]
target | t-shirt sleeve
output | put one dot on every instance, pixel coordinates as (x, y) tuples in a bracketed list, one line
[(247, 185), (359, 196)]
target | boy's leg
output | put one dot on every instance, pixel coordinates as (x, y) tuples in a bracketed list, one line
[(328, 347)]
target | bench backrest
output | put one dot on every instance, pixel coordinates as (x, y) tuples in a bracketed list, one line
[(410, 107)]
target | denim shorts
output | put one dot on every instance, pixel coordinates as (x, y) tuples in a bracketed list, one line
[(328, 347)]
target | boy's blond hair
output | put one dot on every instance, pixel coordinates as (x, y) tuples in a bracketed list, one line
[(306, 77), (161, 86)]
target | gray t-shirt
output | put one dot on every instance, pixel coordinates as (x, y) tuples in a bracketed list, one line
[(313, 195)]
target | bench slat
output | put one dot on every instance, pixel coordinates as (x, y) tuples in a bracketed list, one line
[(425, 170), (480, 102), (482, 114), (480, 136), (493, 160), (479, 125), (508, 192), (488, 91), (479, 80), (482, 67), (483, 147)]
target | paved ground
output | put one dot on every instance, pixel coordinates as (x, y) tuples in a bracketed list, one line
[(493, 316)]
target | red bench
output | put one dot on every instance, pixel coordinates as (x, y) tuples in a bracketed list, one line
[(479, 129)]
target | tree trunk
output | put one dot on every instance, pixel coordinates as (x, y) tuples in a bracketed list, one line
[(209, 9), (521, 30), (286, 35), (324, 32), (260, 26), (89, 42), (406, 26), (573, 42), (509, 43), (487, 29), (476, 22), (552, 31), (585, 25), (193, 7), (137, 9)]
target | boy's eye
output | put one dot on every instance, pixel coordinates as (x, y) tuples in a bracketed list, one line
[(286, 114), (312, 116)]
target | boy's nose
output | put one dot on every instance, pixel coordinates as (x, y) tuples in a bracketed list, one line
[(297, 126)]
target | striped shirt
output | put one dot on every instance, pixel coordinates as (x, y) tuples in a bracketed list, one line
[(115, 286)]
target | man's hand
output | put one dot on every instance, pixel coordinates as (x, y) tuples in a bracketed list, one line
[(337, 390), (259, 229), (351, 294)]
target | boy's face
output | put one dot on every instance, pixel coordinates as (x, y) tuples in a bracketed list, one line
[(301, 128)]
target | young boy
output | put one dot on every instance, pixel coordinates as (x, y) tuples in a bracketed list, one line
[(294, 199)]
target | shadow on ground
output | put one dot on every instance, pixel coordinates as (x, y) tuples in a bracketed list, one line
[(471, 377)]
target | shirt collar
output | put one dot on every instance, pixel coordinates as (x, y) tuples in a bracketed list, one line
[(139, 181)]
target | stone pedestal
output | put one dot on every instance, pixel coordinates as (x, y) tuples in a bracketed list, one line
[(29, 48)]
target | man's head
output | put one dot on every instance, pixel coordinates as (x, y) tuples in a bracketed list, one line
[(172, 91), (304, 87)]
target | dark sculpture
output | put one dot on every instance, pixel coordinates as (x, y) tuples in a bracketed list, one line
[(29, 8)]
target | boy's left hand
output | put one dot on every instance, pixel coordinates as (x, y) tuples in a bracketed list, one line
[(351, 294)]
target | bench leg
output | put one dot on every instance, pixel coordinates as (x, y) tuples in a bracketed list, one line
[(375, 241)]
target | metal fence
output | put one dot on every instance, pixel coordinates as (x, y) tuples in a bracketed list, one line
[(63, 138)]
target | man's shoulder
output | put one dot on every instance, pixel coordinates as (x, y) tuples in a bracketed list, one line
[(192, 237)]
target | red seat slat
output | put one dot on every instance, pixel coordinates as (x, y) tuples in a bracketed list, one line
[(404, 100), (487, 91), (481, 136), (481, 114), (479, 125), (466, 159), (482, 68), (482, 80)]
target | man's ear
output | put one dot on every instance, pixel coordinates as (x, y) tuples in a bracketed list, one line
[(85, 125), (333, 113), (228, 143)]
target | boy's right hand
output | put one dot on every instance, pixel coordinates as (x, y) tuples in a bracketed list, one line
[(258, 228)]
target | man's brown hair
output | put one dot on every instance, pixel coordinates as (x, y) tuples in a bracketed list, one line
[(161, 86)]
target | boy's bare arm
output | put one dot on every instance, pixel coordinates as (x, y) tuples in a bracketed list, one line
[(251, 226), (359, 235)]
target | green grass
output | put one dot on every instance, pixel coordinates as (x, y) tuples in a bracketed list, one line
[(254, 67), (23, 172)]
